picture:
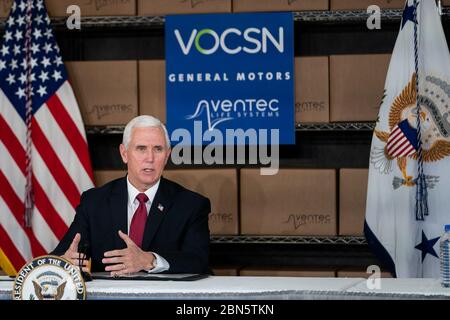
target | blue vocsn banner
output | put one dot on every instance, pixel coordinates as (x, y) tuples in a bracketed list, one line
[(230, 72)]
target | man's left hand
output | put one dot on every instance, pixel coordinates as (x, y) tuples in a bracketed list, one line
[(128, 260)]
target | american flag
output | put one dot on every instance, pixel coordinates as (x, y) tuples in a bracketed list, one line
[(43, 148), (402, 141)]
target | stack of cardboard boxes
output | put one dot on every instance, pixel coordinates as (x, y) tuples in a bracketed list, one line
[(293, 202), (338, 88)]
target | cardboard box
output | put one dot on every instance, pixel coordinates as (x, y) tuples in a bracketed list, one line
[(104, 176), (152, 88), (356, 86), (352, 201), (220, 186), (58, 8), (292, 202), (364, 4), (286, 272), (225, 271), (278, 5), (106, 91), (312, 95), (352, 273), (166, 7)]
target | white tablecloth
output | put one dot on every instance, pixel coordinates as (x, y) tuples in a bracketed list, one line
[(259, 288)]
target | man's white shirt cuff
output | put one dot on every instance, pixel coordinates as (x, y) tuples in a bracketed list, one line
[(161, 264)]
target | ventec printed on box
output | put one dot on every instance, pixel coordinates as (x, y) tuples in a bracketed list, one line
[(220, 186), (312, 98), (292, 202), (152, 88), (106, 91)]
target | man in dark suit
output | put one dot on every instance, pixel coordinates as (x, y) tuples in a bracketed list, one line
[(142, 221)]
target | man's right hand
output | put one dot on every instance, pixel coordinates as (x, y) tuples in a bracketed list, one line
[(74, 256)]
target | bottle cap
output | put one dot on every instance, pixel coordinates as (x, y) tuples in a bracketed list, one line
[(447, 227)]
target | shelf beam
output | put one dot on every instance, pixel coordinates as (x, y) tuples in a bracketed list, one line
[(338, 126), (300, 16), (289, 240)]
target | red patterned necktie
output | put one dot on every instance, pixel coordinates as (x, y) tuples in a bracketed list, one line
[(138, 222)]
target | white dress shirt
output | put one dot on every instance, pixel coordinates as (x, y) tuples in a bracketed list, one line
[(161, 264)]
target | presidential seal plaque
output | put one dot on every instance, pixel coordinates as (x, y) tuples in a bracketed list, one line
[(49, 278)]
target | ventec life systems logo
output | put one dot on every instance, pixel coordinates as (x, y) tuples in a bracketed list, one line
[(230, 79)]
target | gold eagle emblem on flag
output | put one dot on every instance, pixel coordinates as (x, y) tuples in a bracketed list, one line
[(435, 128)]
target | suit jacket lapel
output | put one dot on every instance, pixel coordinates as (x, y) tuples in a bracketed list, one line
[(118, 209), (158, 209)]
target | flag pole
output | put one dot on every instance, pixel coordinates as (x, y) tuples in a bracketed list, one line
[(29, 199), (421, 187)]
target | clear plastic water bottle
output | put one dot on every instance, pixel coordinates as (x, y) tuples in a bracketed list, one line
[(445, 257)]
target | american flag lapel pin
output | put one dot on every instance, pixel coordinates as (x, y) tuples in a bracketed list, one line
[(160, 207)]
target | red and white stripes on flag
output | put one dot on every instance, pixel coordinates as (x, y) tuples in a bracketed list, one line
[(61, 168), (402, 141), (61, 172)]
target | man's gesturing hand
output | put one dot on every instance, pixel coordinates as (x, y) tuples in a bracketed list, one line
[(74, 256), (128, 260)]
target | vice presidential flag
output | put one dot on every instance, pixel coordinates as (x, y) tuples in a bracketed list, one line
[(406, 242), (44, 160)]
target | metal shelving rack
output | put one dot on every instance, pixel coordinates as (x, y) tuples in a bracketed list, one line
[(303, 16), (343, 240), (338, 126)]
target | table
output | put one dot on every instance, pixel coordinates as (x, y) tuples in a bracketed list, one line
[(258, 288)]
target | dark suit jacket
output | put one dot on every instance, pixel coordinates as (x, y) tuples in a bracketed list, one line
[(179, 232)]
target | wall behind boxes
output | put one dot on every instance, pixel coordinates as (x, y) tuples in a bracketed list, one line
[(118, 72)]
